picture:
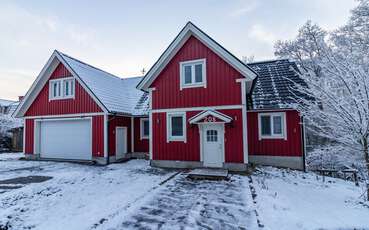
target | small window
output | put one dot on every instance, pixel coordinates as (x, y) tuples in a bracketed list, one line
[(176, 127), (193, 73), (272, 125), (61, 88), (145, 128), (211, 135)]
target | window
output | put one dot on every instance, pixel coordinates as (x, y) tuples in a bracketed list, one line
[(211, 135), (193, 73), (61, 88), (272, 125), (176, 127), (145, 128)]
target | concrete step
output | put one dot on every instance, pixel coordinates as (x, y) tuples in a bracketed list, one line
[(208, 173)]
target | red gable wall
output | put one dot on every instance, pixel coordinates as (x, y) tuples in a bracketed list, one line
[(82, 103), (222, 88)]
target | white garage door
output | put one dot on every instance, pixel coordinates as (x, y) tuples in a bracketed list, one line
[(66, 139)]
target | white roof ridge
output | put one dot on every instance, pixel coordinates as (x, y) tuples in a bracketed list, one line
[(84, 63)]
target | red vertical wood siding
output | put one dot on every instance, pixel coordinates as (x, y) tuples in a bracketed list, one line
[(190, 151), (222, 88), (139, 145), (275, 147), (82, 103), (98, 136), (29, 127), (118, 121)]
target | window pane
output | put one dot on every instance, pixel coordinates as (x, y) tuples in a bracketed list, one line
[(198, 73), (265, 125), (66, 88), (55, 88), (188, 74), (177, 126), (146, 128), (59, 90), (277, 125), (72, 88)]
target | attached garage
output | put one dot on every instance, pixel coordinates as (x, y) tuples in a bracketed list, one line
[(64, 138)]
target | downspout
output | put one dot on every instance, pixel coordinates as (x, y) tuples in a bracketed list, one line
[(303, 143)]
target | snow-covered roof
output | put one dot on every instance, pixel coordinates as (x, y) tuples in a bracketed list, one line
[(4, 102), (118, 95), (274, 87)]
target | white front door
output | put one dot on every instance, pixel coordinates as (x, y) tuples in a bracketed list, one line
[(213, 145), (120, 142)]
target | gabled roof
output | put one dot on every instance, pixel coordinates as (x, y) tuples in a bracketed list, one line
[(191, 30), (111, 93), (202, 115), (275, 85)]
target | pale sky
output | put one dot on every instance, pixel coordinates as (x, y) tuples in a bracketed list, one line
[(122, 37)]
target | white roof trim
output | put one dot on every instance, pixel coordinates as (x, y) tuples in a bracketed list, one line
[(182, 37), (198, 117), (41, 80)]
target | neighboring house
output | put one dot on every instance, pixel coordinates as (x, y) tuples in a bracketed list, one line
[(9, 140), (199, 104)]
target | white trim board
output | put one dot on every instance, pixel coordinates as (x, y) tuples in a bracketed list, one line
[(221, 107), (191, 30), (65, 115)]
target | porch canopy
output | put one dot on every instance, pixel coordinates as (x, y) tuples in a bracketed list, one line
[(209, 116)]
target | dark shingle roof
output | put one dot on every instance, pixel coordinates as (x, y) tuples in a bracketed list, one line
[(274, 88)]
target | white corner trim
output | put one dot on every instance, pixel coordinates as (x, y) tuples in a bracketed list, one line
[(221, 107), (244, 123), (171, 138), (151, 90), (182, 76), (142, 120), (24, 135), (132, 135), (273, 136), (106, 154)]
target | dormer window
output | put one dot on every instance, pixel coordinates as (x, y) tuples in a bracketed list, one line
[(193, 73), (62, 88)]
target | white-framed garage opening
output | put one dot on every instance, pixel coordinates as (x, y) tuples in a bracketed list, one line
[(63, 138)]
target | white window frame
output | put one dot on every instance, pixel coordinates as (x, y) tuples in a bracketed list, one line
[(182, 138), (142, 136), (283, 135), (192, 63), (62, 95)]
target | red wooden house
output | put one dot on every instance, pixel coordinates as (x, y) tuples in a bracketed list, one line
[(198, 106)]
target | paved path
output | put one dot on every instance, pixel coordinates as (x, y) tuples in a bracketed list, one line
[(186, 204)]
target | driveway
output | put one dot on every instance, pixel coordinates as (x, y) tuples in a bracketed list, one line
[(131, 195)]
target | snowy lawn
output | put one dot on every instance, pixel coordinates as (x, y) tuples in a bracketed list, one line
[(132, 195), (77, 196), (295, 200)]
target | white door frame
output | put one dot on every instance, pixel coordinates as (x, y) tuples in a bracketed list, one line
[(116, 141), (202, 138), (37, 131)]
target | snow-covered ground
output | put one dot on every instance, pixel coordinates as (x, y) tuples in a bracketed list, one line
[(295, 200), (77, 197), (132, 195)]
